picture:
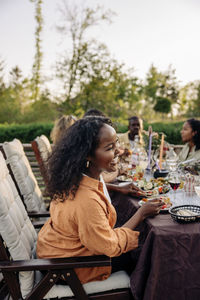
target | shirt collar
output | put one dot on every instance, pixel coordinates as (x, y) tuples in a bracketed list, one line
[(91, 183)]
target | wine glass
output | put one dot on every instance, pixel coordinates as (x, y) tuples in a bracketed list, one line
[(174, 181), (197, 190), (143, 160)]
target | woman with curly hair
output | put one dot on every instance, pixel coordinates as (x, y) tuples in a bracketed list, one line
[(190, 134), (82, 218)]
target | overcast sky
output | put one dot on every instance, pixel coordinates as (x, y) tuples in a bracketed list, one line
[(143, 32)]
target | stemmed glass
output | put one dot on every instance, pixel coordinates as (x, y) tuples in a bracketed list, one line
[(143, 160), (197, 190), (197, 187), (174, 181)]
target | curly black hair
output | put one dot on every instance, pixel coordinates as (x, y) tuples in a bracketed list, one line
[(68, 159), (195, 125), (94, 112)]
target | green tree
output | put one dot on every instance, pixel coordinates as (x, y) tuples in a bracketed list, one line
[(160, 85), (75, 23), (163, 105), (197, 102), (9, 108), (42, 110), (107, 86), (36, 78), (193, 99)]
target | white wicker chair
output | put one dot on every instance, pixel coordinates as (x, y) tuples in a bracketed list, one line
[(42, 149), (23, 176)]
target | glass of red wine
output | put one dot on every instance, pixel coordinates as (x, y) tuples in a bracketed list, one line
[(174, 181)]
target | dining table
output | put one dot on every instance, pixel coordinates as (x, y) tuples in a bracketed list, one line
[(168, 266)]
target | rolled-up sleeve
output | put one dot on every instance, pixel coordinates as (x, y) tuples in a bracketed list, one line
[(98, 236)]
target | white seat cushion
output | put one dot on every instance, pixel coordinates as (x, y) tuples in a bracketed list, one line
[(117, 280), (44, 146), (16, 228), (24, 176)]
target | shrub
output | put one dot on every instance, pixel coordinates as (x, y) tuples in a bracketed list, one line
[(25, 132)]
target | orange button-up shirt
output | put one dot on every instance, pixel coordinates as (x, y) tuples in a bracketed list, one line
[(85, 226)]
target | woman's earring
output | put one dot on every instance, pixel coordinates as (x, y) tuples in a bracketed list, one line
[(87, 164)]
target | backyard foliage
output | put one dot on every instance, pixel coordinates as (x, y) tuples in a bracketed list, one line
[(27, 132), (91, 78)]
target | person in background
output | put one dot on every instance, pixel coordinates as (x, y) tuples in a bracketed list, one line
[(135, 129), (82, 217), (94, 112), (190, 135), (60, 126)]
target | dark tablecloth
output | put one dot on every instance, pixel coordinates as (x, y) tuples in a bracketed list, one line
[(168, 267)]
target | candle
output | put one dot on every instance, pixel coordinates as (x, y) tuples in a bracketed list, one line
[(161, 151), (150, 144)]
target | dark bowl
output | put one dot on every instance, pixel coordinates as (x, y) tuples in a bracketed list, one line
[(188, 218), (162, 173)]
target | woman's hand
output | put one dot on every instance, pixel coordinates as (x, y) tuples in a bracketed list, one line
[(130, 189), (150, 208)]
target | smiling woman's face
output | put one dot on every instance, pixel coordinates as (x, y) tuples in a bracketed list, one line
[(187, 133), (105, 157)]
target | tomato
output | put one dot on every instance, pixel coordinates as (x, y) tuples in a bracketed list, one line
[(160, 189), (164, 206), (144, 199)]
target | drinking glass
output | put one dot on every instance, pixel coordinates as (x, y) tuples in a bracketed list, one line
[(197, 190), (143, 160), (174, 181)]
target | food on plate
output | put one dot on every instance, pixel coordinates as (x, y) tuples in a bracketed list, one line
[(186, 212), (153, 186), (164, 199)]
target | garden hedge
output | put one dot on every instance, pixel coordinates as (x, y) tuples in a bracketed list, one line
[(27, 132)]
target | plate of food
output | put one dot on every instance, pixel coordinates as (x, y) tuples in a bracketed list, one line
[(154, 186), (124, 178), (166, 200)]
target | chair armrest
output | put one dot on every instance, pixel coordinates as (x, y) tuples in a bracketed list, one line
[(55, 263), (38, 224), (38, 215)]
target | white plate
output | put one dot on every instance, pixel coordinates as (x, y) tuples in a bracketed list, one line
[(124, 178)]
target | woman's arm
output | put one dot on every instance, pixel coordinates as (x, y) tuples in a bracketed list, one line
[(127, 189), (148, 209)]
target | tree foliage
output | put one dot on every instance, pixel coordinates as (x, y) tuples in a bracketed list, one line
[(91, 77), (36, 78), (163, 105), (75, 23)]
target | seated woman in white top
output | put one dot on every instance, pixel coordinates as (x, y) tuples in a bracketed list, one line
[(190, 134)]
